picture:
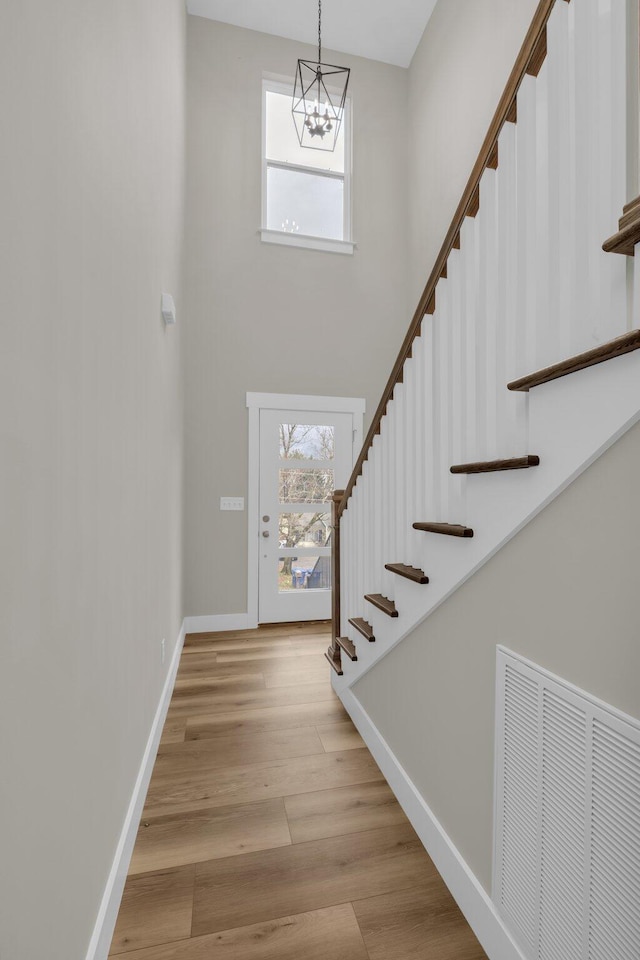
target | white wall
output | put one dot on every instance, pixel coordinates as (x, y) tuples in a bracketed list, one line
[(456, 79), (91, 186), (562, 593), (271, 318)]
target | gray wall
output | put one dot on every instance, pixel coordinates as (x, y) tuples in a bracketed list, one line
[(456, 79), (564, 594), (252, 325), (91, 178), (272, 318)]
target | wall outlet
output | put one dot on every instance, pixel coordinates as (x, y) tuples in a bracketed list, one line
[(162, 645), (232, 503)]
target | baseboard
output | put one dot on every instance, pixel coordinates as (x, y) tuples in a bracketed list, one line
[(469, 894), (108, 912), (214, 623)]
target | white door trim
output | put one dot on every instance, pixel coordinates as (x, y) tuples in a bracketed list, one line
[(282, 401), (293, 401)]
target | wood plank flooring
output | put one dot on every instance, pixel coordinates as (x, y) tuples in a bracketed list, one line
[(269, 832)]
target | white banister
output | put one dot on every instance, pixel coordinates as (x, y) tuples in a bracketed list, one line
[(430, 486), (442, 386), (366, 531), (400, 471), (419, 441), (387, 494), (543, 349), (360, 605), (409, 495), (527, 286), (560, 205)]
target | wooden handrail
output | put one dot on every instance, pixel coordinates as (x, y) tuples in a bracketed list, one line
[(529, 60), (333, 653)]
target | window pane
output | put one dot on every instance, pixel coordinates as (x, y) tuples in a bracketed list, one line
[(299, 441), (305, 203), (283, 143), (305, 486), (304, 530), (304, 573)]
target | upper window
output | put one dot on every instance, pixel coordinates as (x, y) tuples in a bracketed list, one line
[(305, 192)]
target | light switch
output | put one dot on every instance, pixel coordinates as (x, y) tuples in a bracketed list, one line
[(232, 503)]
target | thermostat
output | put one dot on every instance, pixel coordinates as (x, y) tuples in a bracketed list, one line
[(168, 308)]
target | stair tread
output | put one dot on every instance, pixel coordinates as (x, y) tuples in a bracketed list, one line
[(625, 240), (335, 666), (493, 466), (410, 573), (382, 603), (605, 351), (448, 529), (363, 627), (349, 648)]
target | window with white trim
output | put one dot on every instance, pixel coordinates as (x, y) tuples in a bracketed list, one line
[(305, 192)]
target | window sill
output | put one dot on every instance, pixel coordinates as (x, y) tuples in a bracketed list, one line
[(307, 243)]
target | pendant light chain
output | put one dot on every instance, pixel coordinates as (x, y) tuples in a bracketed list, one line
[(318, 111)]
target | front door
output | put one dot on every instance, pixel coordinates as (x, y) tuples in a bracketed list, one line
[(304, 456)]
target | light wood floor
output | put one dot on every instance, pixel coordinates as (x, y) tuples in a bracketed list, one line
[(269, 832)]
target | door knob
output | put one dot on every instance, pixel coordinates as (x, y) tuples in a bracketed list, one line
[(266, 519), (265, 533)]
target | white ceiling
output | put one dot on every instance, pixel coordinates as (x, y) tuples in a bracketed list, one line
[(365, 28)]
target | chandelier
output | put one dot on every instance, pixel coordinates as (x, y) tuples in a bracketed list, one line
[(318, 109)]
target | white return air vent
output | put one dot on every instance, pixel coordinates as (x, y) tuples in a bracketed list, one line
[(567, 859)]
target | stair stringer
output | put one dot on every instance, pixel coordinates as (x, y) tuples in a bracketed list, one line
[(572, 422)]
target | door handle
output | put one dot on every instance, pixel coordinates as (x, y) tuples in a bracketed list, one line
[(265, 533)]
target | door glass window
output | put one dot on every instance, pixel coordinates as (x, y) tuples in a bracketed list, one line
[(305, 485), (303, 456), (303, 529), (304, 573), (306, 442)]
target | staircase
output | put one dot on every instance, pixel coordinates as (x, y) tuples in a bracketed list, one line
[(520, 366)]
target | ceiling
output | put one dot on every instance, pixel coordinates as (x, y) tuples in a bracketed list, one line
[(375, 29)]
